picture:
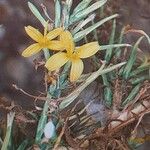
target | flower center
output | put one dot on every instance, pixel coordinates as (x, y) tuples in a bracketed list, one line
[(44, 42), (73, 56)]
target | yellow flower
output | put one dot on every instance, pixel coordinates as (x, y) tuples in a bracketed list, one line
[(42, 41), (73, 54)]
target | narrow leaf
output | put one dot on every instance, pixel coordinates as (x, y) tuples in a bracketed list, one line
[(71, 97), (117, 51), (36, 13), (132, 94), (104, 47), (23, 145), (41, 124), (78, 36), (139, 79), (81, 14), (83, 23), (111, 41), (57, 13), (131, 61), (7, 141), (65, 15), (81, 6), (107, 91)]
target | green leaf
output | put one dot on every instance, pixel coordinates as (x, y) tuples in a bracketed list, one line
[(66, 101), (23, 145), (81, 6), (41, 124), (83, 23), (140, 79), (95, 31), (69, 4), (66, 12), (138, 71), (57, 13), (111, 41), (131, 61), (46, 53), (81, 14), (117, 51), (7, 141), (132, 95), (80, 35), (66, 15), (36, 13), (104, 47), (107, 91), (64, 73)]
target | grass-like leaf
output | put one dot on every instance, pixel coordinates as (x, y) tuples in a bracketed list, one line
[(80, 35), (107, 91), (132, 95), (66, 12), (140, 79), (66, 15), (81, 14), (117, 51), (131, 61), (36, 13), (23, 145), (108, 54), (69, 3), (83, 23), (41, 124), (7, 141), (57, 13), (81, 6), (104, 47), (71, 97), (138, 71)]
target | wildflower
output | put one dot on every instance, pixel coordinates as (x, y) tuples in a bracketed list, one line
[(42, 41), (73, 54)]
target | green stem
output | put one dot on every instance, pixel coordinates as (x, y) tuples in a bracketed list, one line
[(7, 141), (41, 124), (46, 53)]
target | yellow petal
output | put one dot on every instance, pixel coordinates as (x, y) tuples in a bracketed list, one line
[(33, 33), (54, 33), (56, 61), (67, 39), (31, 50), (55, 45), (88, 50), (76, 69)]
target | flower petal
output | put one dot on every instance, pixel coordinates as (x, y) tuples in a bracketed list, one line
[(88, 50), (54, 33), (33, 33), (55, 45), (76, 69), (67, 39), (56, 61), (31, 50)]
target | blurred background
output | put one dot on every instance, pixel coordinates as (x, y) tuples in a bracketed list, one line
[(14, 69)]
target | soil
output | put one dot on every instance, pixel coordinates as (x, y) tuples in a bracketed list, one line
[(14, 15)]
